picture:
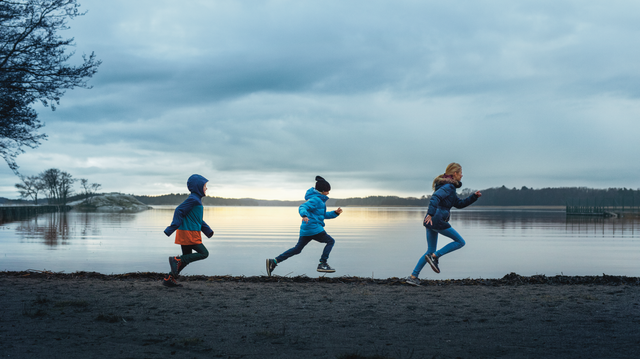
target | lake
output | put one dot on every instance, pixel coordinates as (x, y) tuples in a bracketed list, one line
[(370, 242)]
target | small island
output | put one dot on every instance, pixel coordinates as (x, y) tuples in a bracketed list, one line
[(112, 202)]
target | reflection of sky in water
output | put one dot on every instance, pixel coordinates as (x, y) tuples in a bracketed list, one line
[(379, 242)]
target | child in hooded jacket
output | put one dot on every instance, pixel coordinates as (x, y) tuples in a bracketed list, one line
[(188, 223), (437, 219), (313, 213)]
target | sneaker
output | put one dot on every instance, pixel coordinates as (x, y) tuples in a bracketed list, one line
[(413, 281), (433, 262), (174, 262), (181, 266), (169, 281), (271, 265), (324, 267)]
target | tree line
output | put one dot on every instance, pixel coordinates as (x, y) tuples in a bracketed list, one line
[(176, 199), (56, 185), (562, 196), (498, 196)]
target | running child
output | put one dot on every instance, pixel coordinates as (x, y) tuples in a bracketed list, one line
[(313, 213), (437, 219), (188, 223)]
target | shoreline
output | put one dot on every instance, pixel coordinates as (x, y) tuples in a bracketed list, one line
[(510, 279)]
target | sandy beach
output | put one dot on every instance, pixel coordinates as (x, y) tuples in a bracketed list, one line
[(89, 315)]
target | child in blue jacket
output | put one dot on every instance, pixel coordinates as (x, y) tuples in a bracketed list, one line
[(188, 223), (313, 213), (437, 219)]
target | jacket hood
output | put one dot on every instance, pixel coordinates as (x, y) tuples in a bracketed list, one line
[(195, 184), (312, 192), (443, 180)]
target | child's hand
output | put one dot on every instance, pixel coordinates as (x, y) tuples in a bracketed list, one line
[(339, 210), (305, 219)]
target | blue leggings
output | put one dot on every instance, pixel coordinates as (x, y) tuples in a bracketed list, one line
[(432, 243), (321, 237)]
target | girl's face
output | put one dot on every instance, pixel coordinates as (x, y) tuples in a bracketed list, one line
[(204, 189), (457, 176)]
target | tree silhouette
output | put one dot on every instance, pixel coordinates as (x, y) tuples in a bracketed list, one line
[(33, 68)]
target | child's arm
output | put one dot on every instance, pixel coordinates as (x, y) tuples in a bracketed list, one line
[(461, 203), (333, 214), (178, 215), (206, 229)]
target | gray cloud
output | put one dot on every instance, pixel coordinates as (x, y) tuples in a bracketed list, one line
[(379, 95)]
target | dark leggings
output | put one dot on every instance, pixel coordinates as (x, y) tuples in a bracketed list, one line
[(188, 256), (321, 237)]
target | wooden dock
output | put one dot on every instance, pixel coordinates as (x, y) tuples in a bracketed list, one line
[(590, 211)]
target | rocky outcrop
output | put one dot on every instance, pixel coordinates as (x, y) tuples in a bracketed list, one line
[(112, 203)]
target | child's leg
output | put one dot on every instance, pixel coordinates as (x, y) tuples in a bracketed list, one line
[(432, 242), (302, 242), (188, 257), (457, 243), (329, 242), (186, 249)]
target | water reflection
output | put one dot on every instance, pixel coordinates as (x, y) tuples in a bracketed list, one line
[(383, 242), (52, 229), (61, 228), (602, 227)]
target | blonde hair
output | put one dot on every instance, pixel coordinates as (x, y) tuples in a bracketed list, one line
[(452, 168)]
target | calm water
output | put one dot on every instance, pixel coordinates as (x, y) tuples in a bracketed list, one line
[(378, 242)]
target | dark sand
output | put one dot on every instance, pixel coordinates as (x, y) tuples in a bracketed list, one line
[(84, 315)]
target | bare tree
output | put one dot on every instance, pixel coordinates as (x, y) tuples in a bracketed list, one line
[(30, 187), (65, 188), (90, 189), (33, 68), (58, 185)]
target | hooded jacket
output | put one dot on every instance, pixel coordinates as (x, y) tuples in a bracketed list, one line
[(442, 200), (316, 210), (187, 218)]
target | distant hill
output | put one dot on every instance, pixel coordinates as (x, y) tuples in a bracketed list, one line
[(176, 199), (498, 196)]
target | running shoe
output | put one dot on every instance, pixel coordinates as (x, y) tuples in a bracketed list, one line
[(174, 262), (413, 281), (271, 265), (181, 266), (324, 267), (169, 281), (433, 262)]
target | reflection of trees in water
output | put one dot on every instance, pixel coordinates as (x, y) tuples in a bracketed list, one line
[(88, 225), (55, 229), (600, 226), (509, 219), (551, 220), (52, 228)]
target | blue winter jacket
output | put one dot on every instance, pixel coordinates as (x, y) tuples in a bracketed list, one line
[(441, 202), (316, 210), (187, 218)]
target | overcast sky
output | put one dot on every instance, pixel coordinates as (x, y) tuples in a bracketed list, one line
[(376, 96)]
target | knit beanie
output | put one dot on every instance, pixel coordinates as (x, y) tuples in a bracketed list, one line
[(322, 185)]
